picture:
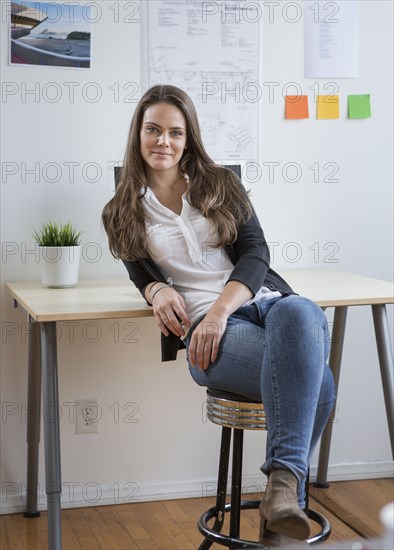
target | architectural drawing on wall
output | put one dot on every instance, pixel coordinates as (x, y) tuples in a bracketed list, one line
[(56, 34), (214, 57)]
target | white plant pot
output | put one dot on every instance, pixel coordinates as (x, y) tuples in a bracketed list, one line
[(59, 265)]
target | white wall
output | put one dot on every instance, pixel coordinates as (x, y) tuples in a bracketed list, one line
[(171, 451)]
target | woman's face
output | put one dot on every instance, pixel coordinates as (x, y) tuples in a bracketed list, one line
[(163, 137)]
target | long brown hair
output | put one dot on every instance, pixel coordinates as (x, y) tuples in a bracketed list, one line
[(213, 189)]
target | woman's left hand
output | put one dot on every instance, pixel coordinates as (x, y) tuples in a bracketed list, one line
[(205, 340)]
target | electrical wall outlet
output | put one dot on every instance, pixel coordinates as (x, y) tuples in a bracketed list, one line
[(87, 415)]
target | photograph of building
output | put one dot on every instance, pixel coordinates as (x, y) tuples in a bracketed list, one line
[(43, 33)]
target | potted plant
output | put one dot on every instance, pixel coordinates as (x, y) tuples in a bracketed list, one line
[(60, 253)]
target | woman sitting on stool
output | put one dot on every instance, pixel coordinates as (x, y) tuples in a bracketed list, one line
[(192, 244)]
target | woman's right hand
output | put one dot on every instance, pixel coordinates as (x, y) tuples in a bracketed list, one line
[(169, 309)]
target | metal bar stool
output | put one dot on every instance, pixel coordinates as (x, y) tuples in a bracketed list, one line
[(236, 413)]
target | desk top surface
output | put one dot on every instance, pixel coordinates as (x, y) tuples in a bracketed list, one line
[(118, 298)]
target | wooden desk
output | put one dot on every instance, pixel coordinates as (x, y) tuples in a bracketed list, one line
[(117, 298)]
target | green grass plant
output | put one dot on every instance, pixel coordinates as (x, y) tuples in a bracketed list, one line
[(54, 234)]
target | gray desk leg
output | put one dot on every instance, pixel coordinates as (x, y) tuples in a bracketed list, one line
[(33, 420), (53, 482), (386, 364), (338, 335)]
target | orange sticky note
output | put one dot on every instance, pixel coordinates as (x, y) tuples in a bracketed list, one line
[(328, 106), (296, 106)]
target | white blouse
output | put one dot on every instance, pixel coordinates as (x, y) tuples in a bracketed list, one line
[(182, 247)]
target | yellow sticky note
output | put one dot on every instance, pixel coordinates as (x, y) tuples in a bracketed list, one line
[(328, 106)]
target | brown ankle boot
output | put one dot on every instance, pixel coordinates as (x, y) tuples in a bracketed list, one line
[(279, 510)]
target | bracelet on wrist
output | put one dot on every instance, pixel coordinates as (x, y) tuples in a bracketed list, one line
[(158, 290), (148, 290), (151, 285)]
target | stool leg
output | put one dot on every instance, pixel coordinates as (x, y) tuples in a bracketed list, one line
[(223, 474), (236, 484), (307, 492), (222, 485)]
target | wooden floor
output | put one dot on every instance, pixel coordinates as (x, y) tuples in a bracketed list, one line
[(352, 507)]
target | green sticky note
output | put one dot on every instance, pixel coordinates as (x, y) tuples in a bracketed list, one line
[(359, 106)]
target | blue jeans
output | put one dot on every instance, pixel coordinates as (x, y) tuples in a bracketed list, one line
[(276, 352)]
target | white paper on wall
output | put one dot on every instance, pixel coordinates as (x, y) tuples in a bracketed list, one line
[(331, 39)]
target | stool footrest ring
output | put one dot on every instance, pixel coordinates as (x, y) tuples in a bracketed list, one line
[(226, 540), (325, 531)]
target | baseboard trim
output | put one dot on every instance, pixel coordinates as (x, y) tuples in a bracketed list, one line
[(356, 470), (79, 495)]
